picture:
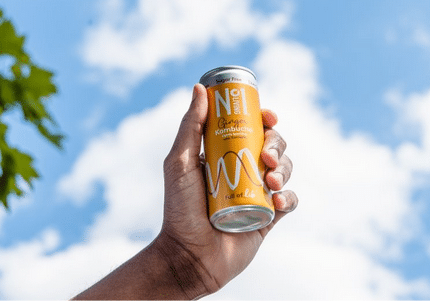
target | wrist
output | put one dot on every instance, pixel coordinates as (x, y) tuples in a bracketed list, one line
[(163, 270), (184, 269)]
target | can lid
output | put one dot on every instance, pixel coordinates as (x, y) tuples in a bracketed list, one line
[(225, 69), (243, 218)]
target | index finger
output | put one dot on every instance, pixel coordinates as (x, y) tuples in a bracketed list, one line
[(270, 119)]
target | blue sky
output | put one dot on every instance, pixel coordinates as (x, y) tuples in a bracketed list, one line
[(349, 80)]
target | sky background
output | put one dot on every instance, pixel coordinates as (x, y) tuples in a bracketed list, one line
[(349, 81)]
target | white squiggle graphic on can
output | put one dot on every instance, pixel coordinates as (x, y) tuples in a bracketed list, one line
[(214, 189)]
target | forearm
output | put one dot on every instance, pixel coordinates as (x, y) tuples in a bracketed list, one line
[(160, 271)]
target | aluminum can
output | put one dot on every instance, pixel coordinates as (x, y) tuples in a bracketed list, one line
[(238, 198)]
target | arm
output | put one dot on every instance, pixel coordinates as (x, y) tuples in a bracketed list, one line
[(157, 272), (189, 258)]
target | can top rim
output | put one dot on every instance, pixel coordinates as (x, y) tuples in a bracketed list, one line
[(224, 68)]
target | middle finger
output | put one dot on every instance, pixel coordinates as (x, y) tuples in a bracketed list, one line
[(276, 178), (273, 148)]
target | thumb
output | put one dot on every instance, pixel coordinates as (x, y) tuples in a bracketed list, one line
[(188, 139)]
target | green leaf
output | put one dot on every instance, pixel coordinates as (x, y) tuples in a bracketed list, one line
[(39, 82), (7, 95), (4, 202), (12, 44), (16, 69), (56, 139), (3, 129), (24, 166), (27, 86), (7, 179), (32, 108), (14, 164)]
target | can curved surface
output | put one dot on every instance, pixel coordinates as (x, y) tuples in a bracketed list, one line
[(239, 200)]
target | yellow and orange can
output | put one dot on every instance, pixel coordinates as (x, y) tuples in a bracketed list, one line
[(239, 200)]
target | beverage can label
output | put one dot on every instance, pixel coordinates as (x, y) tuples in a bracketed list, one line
[(238, 198)]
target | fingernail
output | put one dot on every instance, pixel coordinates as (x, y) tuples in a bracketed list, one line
[(279, 177), (275, 181), (274, 153), (281, 201), (194, 91)]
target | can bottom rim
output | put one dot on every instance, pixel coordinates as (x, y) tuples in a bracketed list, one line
[(244, 218)]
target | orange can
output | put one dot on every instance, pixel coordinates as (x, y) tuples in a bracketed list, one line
[(239, 200)]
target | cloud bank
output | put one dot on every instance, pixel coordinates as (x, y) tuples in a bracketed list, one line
[(356, 204), (127, 46)]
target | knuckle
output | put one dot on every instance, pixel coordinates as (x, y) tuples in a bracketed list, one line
[(294, 200), (287, 162), (185, 118), (275, 141), (281, 143), (286, 174), (172, 164)]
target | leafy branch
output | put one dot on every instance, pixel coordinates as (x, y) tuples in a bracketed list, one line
[(26, 88)]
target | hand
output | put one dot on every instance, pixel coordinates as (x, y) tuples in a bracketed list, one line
[(190, 258), (210, 258)]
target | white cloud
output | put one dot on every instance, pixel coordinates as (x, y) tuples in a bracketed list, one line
[(409, 30), (292, 266), (128, 162), (354, 206), (352, 178), (413, 113), (2, 216), (355, 194), (94, 118), (126, 46), (30, 272), (421, 37)]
